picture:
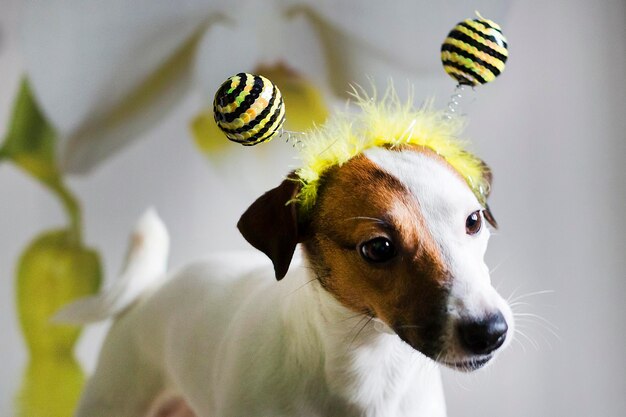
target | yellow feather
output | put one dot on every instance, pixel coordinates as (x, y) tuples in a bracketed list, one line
[(384, 122)]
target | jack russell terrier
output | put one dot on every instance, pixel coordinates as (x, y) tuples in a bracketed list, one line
[(392, 282)]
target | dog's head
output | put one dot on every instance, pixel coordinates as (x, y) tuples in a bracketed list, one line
[(396, 233)]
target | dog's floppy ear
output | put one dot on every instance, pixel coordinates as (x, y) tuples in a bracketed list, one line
[(488, 175), (270, 224)]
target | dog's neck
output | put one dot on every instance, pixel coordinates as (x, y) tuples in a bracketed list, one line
[(352, 358)]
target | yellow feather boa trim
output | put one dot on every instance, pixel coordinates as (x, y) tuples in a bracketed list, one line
[(386, 122)]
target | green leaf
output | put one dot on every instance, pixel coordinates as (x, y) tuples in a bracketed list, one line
[(30, 141)]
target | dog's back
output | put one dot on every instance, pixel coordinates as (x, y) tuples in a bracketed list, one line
[(152, 349)]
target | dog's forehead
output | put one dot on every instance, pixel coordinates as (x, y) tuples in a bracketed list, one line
[(440, 191)]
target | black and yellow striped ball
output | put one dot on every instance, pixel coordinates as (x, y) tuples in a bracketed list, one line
[(474, 52), (249, 109)]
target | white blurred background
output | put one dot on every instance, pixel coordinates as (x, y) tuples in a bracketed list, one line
[(552, 127)]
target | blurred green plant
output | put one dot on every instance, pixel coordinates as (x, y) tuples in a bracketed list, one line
[(30, 144), (54, 269), (50, 388)]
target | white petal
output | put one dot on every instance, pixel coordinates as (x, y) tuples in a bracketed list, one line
[(225, 49), (304, 51), (261, 36), (87, 59), (377, 39)]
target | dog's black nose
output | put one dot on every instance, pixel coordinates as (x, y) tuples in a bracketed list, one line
[(483, 336)]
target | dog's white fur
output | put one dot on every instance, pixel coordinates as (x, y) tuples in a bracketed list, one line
[(228, 340)]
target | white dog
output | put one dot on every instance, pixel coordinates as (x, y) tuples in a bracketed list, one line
[(392, 283)]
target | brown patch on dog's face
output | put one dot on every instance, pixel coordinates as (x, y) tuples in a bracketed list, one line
[(359, 203)]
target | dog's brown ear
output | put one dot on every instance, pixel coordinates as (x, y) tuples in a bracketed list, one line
[(270, 224), (488, 175)]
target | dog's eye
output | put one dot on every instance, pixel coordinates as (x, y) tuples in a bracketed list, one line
[(378, 250), (473, 223)]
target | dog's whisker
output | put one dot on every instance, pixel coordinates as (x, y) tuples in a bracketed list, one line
[(364, 319), (410, 326), (551, 331), (542, 325), (522, 317), (540, 334), (498, 265), (519, 304), (540, 319), (351, 317), (438, 358), (522, 342), (431, 366), (511, 297), (530, 340), (356, 325), (360, 331), (372, 219), (519, 342), (434, 363), (543, 337), (310, 268), (531, 294), (302, 286)]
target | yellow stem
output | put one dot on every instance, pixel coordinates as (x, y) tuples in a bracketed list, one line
[(72, 209)]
